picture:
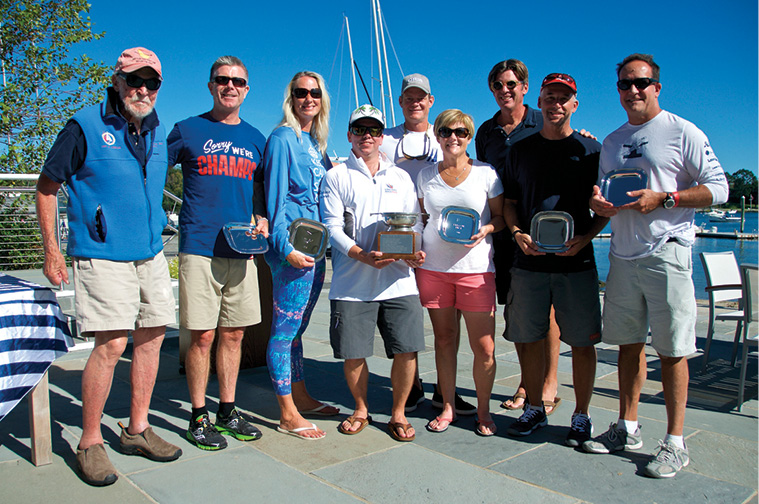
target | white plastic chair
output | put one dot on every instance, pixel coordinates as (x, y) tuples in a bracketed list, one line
[(723, 283), (750, 277)]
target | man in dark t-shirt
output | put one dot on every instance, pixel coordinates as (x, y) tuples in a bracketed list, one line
[(554, 171)]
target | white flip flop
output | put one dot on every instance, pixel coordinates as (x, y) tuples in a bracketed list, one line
[(296, 432)]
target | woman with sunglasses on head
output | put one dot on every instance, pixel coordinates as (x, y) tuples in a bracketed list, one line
[(294, 165), (458, 273)]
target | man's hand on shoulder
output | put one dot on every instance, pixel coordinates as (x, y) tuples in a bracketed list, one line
[(587, 134)]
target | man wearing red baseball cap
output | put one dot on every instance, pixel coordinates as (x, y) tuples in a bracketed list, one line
[(113, 159), (551, 174)]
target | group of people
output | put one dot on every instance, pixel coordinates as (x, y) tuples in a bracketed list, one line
[(114, 157)]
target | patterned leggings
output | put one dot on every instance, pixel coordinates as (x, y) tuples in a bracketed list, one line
[(295, 293)]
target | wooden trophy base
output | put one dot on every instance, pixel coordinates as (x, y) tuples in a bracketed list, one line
[(399, 244)]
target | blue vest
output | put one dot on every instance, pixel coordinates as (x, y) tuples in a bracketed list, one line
[(114, 207)]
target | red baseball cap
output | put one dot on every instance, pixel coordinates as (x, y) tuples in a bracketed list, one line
[(135, 58), (560, 78)]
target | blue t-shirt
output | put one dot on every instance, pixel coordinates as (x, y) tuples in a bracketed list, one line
[(294, 169), (218, 161)]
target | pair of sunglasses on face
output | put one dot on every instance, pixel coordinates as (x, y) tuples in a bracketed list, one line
[(301, 93), (374, 131), (640, 83), (135, 81), (498, 85), (223, 80), (459, 132)]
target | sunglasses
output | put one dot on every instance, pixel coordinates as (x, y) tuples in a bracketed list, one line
[(498, 85), (223, 80), (459, 132), (374, 131), (300, 92), (136, 81), (640, 83)]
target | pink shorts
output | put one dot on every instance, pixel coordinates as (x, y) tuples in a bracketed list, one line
[(474, 292)]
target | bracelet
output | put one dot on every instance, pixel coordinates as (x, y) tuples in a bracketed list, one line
[(676, 197), (516, 232)]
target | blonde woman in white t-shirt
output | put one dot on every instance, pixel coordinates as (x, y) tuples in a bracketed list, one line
[(458, 278)]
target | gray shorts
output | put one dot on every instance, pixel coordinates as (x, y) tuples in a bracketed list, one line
[(217, 292), (574, 297), (658, 291), (352, 324), (122, 295)]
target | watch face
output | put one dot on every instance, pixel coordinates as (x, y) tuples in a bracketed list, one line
[(669, 202)]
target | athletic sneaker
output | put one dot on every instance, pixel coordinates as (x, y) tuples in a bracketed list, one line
[(530, 420), (614, 439), (415, 397), (235, 425), (459, 404), (580, 430), (205, 435), (668, 461)]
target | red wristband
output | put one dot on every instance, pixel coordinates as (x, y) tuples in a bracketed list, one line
[(676, 197)]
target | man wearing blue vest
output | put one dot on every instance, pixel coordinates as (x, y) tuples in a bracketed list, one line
[(113, 160)]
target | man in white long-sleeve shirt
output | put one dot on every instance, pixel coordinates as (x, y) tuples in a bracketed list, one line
[(369, 290), (649, 282)]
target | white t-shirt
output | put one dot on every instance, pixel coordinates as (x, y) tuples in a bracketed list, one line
[(481, 184), (398, 142), (675, 155)]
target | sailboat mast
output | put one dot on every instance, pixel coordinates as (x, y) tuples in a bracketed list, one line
[(379, 57), (387, 69), (353, 63)]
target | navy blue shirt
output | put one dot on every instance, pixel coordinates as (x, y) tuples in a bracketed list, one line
[(559, 175), (493, 143)]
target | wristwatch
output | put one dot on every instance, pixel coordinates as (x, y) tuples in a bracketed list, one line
[(671, 200)]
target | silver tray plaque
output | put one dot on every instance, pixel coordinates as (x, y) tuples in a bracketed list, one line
[(243, 239), (458, 224), (551, 230), (617, 183), (309, 237)]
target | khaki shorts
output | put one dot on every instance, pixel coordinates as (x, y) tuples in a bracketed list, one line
[(122, 295), (217, 292), (658, 291)]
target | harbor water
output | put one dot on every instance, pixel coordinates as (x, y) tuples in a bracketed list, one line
[(745, 251)]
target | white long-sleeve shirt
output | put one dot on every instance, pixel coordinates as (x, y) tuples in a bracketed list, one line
[(675, 155), (349, 188)]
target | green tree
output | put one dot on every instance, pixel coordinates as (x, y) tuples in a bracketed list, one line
[(742, 183), (42, 87)]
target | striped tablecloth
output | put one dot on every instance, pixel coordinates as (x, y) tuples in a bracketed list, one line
[(33, 333)]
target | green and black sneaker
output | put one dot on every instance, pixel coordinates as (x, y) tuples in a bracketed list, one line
[(235, 425), (204, 435)]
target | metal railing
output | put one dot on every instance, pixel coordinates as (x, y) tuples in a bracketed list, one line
[(20, 240)]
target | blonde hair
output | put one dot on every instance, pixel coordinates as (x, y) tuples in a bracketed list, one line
[(320, 126), (453, 116)]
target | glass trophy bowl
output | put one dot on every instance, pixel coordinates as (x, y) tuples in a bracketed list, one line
[(551, 230), (309, 237), (617, 183), (458, 224), (243, 239)]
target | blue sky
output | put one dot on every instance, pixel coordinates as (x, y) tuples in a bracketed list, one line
[(707, 52)]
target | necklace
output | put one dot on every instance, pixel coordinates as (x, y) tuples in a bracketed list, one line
[(466, 167)]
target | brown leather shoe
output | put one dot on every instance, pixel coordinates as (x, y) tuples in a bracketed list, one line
[(149, 445), (94, 466)]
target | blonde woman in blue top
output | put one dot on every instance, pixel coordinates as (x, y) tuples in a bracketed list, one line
[(294, 165)]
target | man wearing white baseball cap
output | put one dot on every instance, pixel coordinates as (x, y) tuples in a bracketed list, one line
[(369, 290)]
